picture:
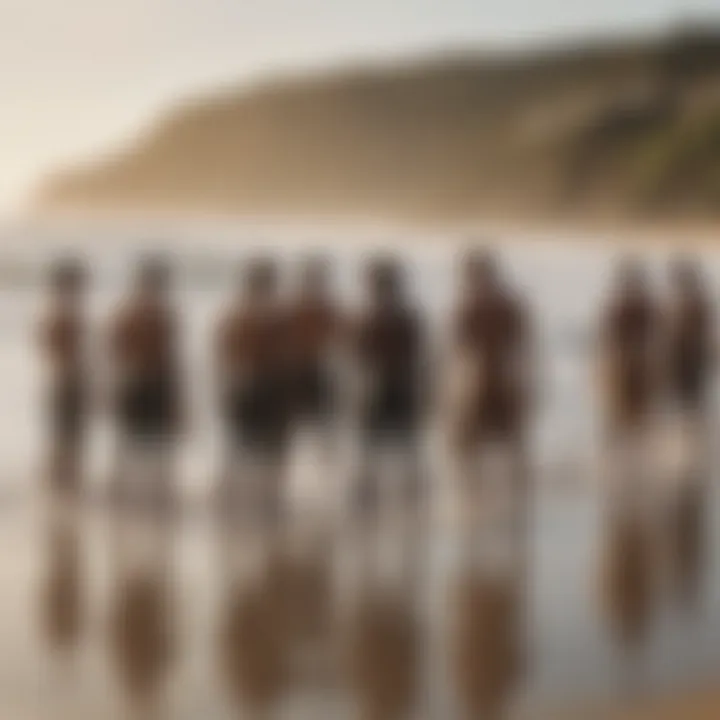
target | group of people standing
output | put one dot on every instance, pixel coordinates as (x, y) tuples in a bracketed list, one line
[(286, 362), (657, 351)]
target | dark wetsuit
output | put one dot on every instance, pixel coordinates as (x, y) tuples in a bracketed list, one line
[(147, 402), (689, 351), (67, 401), (311, 331), (256, 394), (630, 329), (390, 349), (492, 330)]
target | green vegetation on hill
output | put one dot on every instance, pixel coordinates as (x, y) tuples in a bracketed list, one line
[(629, 128)]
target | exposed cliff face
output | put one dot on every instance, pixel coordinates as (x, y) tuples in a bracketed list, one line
[(634, 128)]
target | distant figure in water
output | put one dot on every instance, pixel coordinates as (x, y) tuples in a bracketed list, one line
[(492, 365), (313, 334), (690, 339), (630, 350), (145, 357), (389, 348), (62, 342), (251, 349)]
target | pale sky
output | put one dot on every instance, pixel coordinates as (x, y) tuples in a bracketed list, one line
[(81, 75)]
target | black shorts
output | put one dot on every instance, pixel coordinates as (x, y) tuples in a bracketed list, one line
[(256, 415), (689, 385), (313, 394), (67, 412), (392, 414), (147, 408), (499, 416)]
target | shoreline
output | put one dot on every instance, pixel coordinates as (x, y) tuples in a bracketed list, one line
[(307, 228)]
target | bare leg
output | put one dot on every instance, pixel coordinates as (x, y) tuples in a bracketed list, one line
[(65, 468), (415, 482), (227, 490), (163, 484), (364, 501), (268, 494), (524, 502), (119, 476), (467, 492)]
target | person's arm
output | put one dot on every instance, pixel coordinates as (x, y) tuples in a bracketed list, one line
[(712, 346), (117, 338), (427, 370), (220, 351), (338, 346), (660, 351), (177, 369), (44, 336), (458, 384), (358, 365), (345, 358), (604, 368), (114, 347)]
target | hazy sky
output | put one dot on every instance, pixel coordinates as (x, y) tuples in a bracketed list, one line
[(80, 75)]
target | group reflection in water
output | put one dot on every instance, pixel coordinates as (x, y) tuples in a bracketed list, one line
[(141, 621), (333, 585)]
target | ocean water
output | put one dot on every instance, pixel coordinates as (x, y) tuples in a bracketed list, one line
[(573, 657)]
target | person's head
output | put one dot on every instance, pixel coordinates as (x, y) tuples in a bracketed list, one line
[(259, 279), (685, 274), (385, 281), (152, 277), (479, 272), (67, 280), (631, 278), (314, 276)]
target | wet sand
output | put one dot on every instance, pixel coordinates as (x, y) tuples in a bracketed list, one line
[(109, 615), (702, 706), (697, 705)]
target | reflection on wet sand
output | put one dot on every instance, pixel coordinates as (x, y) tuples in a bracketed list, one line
[(487, 603), (382, 633), (627, 581), (287, 636), (299, 577), (275, 630), (252, 648), (62, 591), (687, 547), (486, 643), (383, 655), (142, 623), (654, 540), (631, 549)]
